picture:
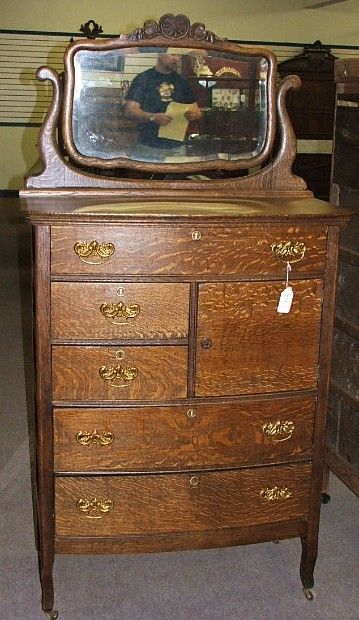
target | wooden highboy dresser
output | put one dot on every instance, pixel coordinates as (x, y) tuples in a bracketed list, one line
[(183, 312)]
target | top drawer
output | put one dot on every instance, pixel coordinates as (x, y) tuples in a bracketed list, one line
[(185, 250)]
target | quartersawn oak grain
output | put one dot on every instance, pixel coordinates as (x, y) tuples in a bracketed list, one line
[(150, 504), (184, 437), (162, 373), (254, 349), (76, 314), (159, 250)]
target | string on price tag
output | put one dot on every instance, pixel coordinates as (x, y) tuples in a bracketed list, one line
[(286, 296)]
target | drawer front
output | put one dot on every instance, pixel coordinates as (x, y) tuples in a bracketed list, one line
[(161, 503), (113, 373), (116, 310), (187, 250), (245, 346), (182, 437)]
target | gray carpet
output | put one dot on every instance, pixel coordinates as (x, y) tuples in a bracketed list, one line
[(258, 582)]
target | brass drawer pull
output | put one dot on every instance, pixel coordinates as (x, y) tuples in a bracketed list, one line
[(191, 413), (92, 252), (94, 508), (289, 252), (196, 235), (119, 373), (85, 438), (278, 431), (112, 310), (206, 343), (194, 481), (275, 493)]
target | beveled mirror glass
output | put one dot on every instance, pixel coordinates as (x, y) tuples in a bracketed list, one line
[(169, 105)]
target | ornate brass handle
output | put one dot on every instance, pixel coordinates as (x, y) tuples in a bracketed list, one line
[(112, 310), (275, 493), (278, 431), (85, 438), (289, 252), (119, 373), (92, 252), (94, 508)]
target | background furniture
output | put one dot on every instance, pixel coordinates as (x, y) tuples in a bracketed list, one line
[(343, 421), (311, 111)]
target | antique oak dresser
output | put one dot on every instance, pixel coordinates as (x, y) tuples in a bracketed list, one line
[(183, 311)]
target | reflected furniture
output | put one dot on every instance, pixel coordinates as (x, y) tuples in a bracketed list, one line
[(182, 321), (311, 111), (342, 455)]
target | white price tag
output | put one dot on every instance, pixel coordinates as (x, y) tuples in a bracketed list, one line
[(285, 300)]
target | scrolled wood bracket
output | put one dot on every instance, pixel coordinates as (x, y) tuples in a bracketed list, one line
[(282, 175)]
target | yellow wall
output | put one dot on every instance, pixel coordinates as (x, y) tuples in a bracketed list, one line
[(278, 20), (257, 20)]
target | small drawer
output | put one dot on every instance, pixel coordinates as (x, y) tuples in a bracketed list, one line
[(161, 503), (183, 437), (187, 250), (113, 373), (115, 310)]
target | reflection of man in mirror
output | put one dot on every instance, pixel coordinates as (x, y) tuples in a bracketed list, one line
[(150, 94)]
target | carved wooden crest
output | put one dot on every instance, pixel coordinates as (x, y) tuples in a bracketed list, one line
[(91, 29), (173, 27)]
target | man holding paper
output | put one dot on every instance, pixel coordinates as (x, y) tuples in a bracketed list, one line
[(163, 102)]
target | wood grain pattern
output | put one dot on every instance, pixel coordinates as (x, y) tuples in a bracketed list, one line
[(112, 209), (254, 348), (161, 250), (75, 310), (162, 373), (197, 539), (182, 437), (44, 507), (169, 503)]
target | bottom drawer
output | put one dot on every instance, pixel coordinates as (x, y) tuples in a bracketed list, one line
[(162, 503)]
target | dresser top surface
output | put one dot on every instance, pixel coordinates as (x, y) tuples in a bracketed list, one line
[(80, 209)]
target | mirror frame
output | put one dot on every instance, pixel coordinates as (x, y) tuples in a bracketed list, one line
[(171, 31)]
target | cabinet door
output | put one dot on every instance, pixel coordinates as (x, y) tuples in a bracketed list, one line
[(244, 346)]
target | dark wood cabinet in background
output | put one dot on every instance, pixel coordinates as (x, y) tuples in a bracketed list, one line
[(311, 111), (343, 420)]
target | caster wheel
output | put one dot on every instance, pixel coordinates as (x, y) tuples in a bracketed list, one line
[(325, 498), (52, 615), (308, 594), (276, 541)]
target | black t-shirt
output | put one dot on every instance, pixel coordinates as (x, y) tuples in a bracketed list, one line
[(154, 91)]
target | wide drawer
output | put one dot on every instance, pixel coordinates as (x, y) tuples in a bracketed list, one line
[(111, 373), (182, 437), (115, 310), (187, 250), (161, 503), (244, 346)]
